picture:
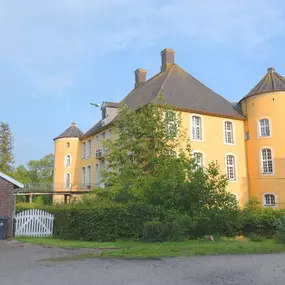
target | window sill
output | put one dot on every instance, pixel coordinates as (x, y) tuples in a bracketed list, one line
[(268, 174), (265, 137), (197, 140), (232, 144), (271, 206)]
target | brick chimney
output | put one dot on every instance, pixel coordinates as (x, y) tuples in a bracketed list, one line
[(167, 58), (140, 77)]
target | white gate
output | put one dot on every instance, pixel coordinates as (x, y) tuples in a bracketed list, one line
[(34, 223)]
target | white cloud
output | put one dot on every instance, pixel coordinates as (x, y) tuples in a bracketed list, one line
[(48, 35)]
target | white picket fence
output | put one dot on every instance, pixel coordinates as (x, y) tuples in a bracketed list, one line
[(34, 223)]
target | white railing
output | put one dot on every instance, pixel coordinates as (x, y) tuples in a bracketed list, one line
[(34, 223)]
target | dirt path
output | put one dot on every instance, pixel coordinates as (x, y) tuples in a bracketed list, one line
[(20, 265)]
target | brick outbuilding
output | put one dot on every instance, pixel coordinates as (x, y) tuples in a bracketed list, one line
[(7, 188)]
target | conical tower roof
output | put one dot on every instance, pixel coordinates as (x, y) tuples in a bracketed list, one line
[(72, 132), (271, 82)]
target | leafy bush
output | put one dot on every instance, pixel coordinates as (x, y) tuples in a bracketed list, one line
[(255, 237), (281, 229), (156, 231), (27, 206), (107, 222), (261, 221)]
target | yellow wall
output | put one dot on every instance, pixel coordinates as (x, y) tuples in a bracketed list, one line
[(214, 148), (60, 170), (271, 106), (92, 160)]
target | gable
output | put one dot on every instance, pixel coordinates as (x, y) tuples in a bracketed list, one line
[(11, 180)]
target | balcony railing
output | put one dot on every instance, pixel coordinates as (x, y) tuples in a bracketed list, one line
[(100, 153)]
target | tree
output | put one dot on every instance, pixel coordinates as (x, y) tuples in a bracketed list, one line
[(6, 148), (150, 161), (37, 171), (145, 140), (38, 175), (42, 170)]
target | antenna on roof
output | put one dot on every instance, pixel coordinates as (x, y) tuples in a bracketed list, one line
[(95, 105)]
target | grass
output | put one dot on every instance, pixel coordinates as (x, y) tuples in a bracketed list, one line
[(139, 250)]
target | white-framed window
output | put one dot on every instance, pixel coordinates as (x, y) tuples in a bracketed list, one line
[(84, 150), (231, 167), (97, 174), (196, 128), (67, 181), (229, 132), (67, 160), (83, 176), (264, 128), (269, 199), (103, 166), (89, 144), (199, 159), (103, 135), (266, 161), (88, 178), (171, 126), (97, 139)]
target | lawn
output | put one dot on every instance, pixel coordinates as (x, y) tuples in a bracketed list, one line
[(139, 250)]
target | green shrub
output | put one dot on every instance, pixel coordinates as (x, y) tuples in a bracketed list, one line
[(157, 231), (281, 229), (107, 222), (27, 206), (261, 221), (255, 237)]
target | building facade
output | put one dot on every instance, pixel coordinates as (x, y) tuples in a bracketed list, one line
[(245, 138)]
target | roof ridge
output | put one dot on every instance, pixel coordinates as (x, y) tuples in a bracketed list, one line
[(150, 79), (201, 83), (270, 82), (167, 75), (272, 79), (279, 76), (68, 132)]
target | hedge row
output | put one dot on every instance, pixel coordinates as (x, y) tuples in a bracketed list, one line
[(113, 221), (261, 221)]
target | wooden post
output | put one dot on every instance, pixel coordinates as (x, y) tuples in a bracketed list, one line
[(31, 198)]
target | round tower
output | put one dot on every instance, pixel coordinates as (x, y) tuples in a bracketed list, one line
[(67, 161), (264, 108)]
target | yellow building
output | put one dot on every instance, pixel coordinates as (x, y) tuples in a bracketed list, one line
[(245, 138)]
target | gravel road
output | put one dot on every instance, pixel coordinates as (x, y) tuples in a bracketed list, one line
[(21, 265)]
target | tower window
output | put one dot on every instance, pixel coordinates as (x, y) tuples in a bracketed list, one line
[(67, 181), (68, 160), (264, 128), (267, 161)]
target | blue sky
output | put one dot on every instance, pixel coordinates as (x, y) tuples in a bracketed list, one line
[(57, 56)]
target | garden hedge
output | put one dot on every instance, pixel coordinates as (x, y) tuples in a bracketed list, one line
[(103, 223), (115, 221)]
